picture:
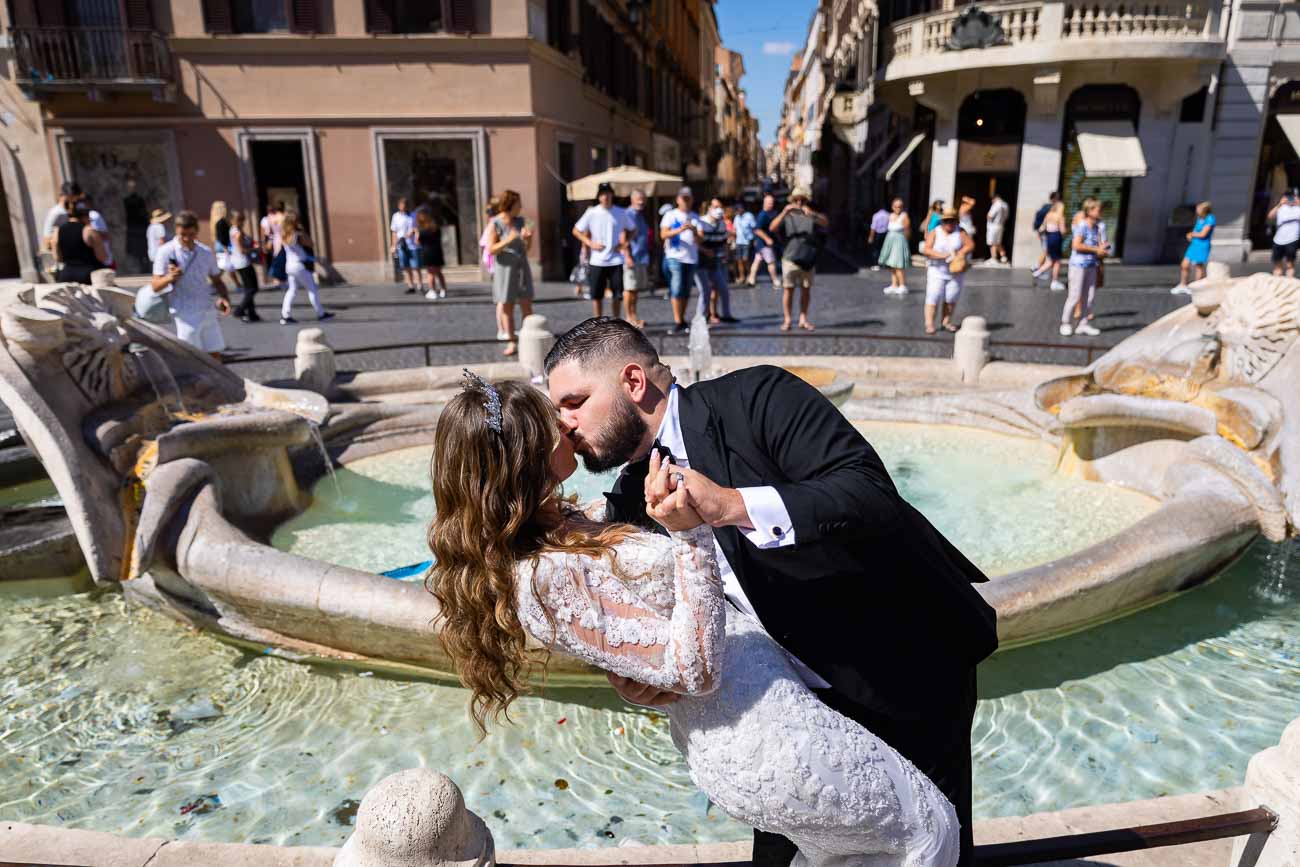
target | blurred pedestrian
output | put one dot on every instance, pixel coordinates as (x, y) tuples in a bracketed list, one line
[(57, 215), (485, 258), (936, 212), (636, 259), (79, 249), (100, 225), (603, 229), (241, 264), (1039, 216), (156, 235), (404, 246), (995, 222), (1198, 248), (947, 249), (876, 236), (745, 223), (512, 276), (1086, 249), (966, 215), (185, 271), (798, 224), (1053, 232), (219, 226), (299, 269), (765, 246), (428, 237), (711, 274), (272, 249), (895, 252), (1285, 216), (679, 230)]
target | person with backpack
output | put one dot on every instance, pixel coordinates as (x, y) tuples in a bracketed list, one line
[(798, 223)]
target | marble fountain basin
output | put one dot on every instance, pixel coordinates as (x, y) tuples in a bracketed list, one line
[(181, 509)]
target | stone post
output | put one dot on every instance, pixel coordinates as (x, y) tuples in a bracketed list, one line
[(1215, 271), (103, 278), (534, 342), (313, 363), (417, 818), (970, 349), (1273, 781)]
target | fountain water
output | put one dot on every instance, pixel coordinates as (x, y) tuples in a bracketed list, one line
[(700, 349), (325, 456), (160, 376)]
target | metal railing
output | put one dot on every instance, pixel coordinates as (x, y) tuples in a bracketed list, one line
[(63, 55)]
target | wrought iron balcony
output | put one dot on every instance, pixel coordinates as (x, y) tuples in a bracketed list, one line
[(71, 58)]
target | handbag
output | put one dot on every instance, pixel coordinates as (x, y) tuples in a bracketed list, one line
[(151, 307), (958, 264), (801, 251), (578, 276)]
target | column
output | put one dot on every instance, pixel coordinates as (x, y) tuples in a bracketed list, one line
[(1040, 165), (1243, 108), (943, 162), (1149, 200)]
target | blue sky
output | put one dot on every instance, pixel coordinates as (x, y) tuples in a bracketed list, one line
[(768, 33)]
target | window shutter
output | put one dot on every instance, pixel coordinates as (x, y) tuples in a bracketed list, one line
[(304, 16), (138, 14), (217, 16), (458, 16), (379, 16)]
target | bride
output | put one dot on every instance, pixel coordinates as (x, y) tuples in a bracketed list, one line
[(512, 558)]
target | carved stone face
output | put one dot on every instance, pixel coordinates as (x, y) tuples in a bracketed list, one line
[(1257, 324)]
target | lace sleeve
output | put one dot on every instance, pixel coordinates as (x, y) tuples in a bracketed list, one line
[(598, 618)]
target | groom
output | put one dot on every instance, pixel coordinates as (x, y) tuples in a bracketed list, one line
[(873, 604)]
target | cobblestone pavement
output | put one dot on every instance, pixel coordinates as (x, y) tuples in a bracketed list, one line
[(852, 315)]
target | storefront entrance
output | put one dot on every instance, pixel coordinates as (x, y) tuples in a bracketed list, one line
[(1279, 161), (990, 129), (437, 174), (1117, 103)]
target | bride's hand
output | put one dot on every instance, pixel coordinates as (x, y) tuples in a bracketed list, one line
[(674, 512)]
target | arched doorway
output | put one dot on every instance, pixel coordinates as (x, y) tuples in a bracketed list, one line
[(1097, 102), (1279, 160), (990, 130)]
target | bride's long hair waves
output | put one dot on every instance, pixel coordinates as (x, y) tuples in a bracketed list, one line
[(492, 492)]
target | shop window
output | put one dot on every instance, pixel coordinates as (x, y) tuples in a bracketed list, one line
[(599, 158)]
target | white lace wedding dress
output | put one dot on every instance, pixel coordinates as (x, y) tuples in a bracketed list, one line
[(757, 741)]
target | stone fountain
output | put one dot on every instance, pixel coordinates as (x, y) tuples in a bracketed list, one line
[(175, 471)]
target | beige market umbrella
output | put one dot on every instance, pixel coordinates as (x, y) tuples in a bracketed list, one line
[(625, 179)]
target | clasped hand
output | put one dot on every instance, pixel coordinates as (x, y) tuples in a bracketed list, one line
[(668, 497)]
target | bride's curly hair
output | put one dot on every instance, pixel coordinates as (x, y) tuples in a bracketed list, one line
[(489, 489)]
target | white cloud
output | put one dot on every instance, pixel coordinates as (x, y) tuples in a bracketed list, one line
[(780, 49)]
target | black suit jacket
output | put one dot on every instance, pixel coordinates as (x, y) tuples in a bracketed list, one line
[(871, 596)]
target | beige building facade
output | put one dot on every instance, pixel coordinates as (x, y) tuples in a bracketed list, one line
[(339, 108)]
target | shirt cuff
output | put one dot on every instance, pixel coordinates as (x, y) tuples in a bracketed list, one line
[(767, 512)]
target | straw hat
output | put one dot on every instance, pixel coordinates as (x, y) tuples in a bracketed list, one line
[(160, 216), (801, 193), (948, 214)]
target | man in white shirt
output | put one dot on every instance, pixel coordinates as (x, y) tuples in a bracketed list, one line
[(604, 229), (1286, 234), (995, 223), (186, 272), (680, 229), (405, 247), (156, 235)]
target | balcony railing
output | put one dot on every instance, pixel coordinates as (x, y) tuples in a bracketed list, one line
[(51, 56), (1038, 22)]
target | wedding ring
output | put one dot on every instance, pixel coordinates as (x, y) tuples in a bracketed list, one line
[(679, 477)]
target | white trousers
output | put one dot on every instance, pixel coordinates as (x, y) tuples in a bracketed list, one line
[(304, 279)]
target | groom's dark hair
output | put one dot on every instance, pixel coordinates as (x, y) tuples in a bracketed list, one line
[(602, 340)]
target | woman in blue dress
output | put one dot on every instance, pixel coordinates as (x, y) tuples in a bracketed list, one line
[(1198, 248)]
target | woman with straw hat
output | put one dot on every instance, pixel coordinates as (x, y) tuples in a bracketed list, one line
[(156, 235), (946, 248)]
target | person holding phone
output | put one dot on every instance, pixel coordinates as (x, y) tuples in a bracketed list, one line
[(1286, 233), (185, 270)]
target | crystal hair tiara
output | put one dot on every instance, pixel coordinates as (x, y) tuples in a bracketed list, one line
[(492, 398)]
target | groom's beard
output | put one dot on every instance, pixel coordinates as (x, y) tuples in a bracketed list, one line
[(617, 442)]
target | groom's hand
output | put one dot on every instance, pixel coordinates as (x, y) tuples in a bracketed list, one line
[(640, 693), (717, 506), (667, 501)]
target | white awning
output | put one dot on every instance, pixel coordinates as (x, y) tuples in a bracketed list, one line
[(1110, 149), (1290, 124), (894, 163)]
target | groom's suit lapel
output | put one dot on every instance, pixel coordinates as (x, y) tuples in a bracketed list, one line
[(703, 434)]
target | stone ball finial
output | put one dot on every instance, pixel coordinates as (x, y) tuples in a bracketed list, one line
[(314, 365), (417, 818)]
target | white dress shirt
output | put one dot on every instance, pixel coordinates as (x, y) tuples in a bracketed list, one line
[(767, 512)]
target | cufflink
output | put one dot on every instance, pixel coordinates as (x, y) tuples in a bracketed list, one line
[(778, 532)]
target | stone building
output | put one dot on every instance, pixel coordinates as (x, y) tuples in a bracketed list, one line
[(1151, 108), (337, 108), (735, 156)]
